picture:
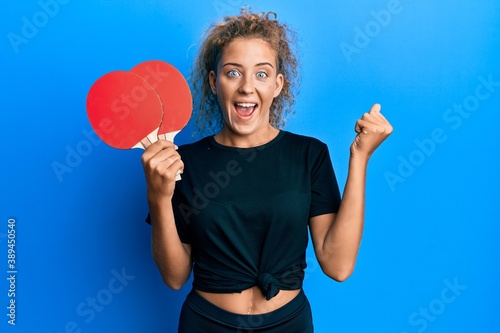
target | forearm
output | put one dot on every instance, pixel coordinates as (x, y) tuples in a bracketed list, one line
[(343, 238), (337, 242), (171, 257)]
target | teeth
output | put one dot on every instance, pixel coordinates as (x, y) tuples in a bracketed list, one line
[(246, 105)]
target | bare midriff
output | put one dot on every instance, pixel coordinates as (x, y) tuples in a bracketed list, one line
[(249, 301)]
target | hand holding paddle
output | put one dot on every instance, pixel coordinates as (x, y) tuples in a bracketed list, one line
[(162, 165)]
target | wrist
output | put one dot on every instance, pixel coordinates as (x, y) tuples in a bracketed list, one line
[(359, 159), (158, 201)]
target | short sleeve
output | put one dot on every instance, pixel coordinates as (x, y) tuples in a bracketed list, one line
[(325, 193), (182, 211), (180, 220)]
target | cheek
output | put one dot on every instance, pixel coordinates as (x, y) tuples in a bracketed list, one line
[(270, 94), (223, 103), (223, 89), (223, 99)]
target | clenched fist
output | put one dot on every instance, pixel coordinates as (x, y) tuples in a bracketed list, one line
[(372, 130)]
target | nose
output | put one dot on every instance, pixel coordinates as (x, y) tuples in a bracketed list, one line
[(247, 85)]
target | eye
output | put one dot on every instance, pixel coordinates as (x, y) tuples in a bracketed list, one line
[(233, 73), (261, 75)]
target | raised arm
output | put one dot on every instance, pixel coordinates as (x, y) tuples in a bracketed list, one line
[(336, 237), (161, 163)]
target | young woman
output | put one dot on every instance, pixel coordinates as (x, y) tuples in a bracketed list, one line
[(240, 215)]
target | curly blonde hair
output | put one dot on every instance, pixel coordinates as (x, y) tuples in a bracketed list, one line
[(264, 26)]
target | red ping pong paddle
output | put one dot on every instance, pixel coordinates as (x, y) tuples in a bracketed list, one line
[(174, 93), (123, 108)]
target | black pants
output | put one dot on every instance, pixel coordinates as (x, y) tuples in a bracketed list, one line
[(200, 316)]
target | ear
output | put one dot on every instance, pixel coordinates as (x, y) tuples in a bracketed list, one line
[(212, 78), (280, 81)]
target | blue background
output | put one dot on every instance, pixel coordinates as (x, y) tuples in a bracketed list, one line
[(429, 260)]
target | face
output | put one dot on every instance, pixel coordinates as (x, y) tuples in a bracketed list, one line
[(246, 83)]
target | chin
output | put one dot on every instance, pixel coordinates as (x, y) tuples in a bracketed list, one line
[(243, 130)]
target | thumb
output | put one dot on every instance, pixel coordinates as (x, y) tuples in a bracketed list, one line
[(375, 108)]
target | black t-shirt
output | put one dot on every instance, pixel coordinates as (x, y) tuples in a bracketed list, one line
[(245, 211)]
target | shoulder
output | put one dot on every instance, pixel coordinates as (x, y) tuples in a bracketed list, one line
[(197, 146), (299, 140), (196, 151)]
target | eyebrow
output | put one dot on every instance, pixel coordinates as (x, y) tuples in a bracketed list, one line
[(239, 65)]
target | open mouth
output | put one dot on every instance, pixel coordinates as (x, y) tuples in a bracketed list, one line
[(245, 110)]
